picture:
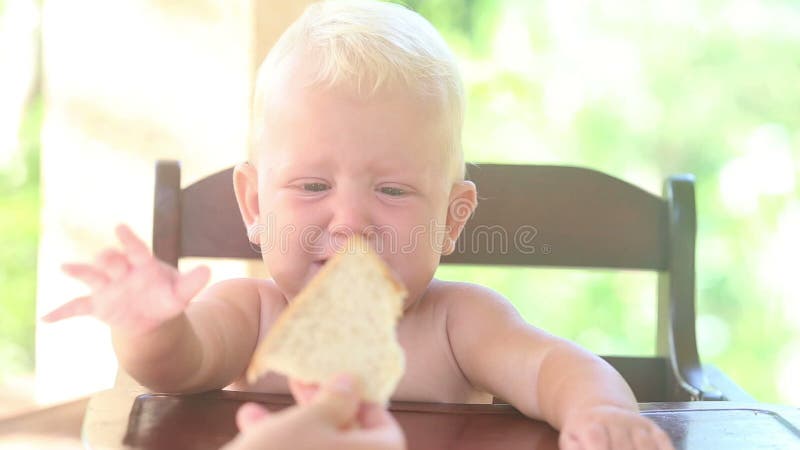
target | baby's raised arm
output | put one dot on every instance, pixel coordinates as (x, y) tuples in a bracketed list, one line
[(161, 339)]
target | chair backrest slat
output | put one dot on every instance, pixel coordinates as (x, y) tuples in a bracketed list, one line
[(562, 216), (212, 224)]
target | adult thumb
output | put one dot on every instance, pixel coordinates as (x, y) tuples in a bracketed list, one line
[(337, 401), (249, 415)]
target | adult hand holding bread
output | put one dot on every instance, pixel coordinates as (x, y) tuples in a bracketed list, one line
[(334, 418)]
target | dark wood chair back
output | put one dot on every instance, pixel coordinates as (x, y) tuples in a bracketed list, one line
[(528, 215)]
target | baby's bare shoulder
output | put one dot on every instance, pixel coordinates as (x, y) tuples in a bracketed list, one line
[(465, 295), (467, 303)]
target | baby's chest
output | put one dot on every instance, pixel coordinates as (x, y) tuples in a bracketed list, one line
[(432, 373)]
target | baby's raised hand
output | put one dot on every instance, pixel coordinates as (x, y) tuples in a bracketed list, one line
[(131, 290), (611, 428)]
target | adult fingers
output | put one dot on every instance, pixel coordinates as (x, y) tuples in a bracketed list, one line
[(86, 273), (190, 283), (250, 414), (302, 392), (136, 249), (80, 306), (371, 415), (337, 401), (389, 438)]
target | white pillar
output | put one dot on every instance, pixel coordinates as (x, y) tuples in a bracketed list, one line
[(126, 83)]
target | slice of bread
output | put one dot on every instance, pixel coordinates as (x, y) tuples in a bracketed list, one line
[(343, 321)]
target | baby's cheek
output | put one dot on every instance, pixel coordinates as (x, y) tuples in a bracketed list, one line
[(288, 228), (415, 270)]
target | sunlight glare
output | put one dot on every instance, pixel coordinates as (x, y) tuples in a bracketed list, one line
[(766, 168)]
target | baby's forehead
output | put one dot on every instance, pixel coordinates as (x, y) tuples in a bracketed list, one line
[(380, 120), (300, 119), (370, 162), (291, 160)]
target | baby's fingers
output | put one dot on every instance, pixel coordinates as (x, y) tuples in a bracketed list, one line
[(650, 437), (621, 439), (190, 283), (136, 249), (114, 263), (91, 276), (81, 306), (593, 436)]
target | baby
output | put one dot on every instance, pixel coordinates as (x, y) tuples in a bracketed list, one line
[(357, 123)]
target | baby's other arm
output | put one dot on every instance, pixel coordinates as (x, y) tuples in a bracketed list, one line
[(164, 341), (544, 376)]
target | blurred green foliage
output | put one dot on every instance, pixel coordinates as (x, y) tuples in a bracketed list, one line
[(19, 234), (640, 90)]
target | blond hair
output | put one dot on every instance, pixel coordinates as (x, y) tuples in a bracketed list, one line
[(367, 45)]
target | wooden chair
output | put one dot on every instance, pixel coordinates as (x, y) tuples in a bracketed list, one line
[(587, 218)]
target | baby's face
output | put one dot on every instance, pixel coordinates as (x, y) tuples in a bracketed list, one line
[(330, 165)]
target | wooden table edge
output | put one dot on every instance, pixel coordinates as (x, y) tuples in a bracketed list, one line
[(107, 413)]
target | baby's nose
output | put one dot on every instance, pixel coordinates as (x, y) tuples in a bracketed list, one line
[(350, 217)]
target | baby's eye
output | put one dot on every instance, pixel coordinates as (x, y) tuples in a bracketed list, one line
[(315, 187), (393, 191)]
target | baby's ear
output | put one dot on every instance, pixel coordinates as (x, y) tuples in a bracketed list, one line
[(463, 201), (245, 185)]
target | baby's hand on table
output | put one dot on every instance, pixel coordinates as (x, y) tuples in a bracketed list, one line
[(611, 428), (131, 290)]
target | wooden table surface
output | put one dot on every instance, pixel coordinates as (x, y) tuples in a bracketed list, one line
[(129, 419)]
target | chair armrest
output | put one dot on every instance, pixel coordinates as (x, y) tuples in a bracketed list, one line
[(730, 390)]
